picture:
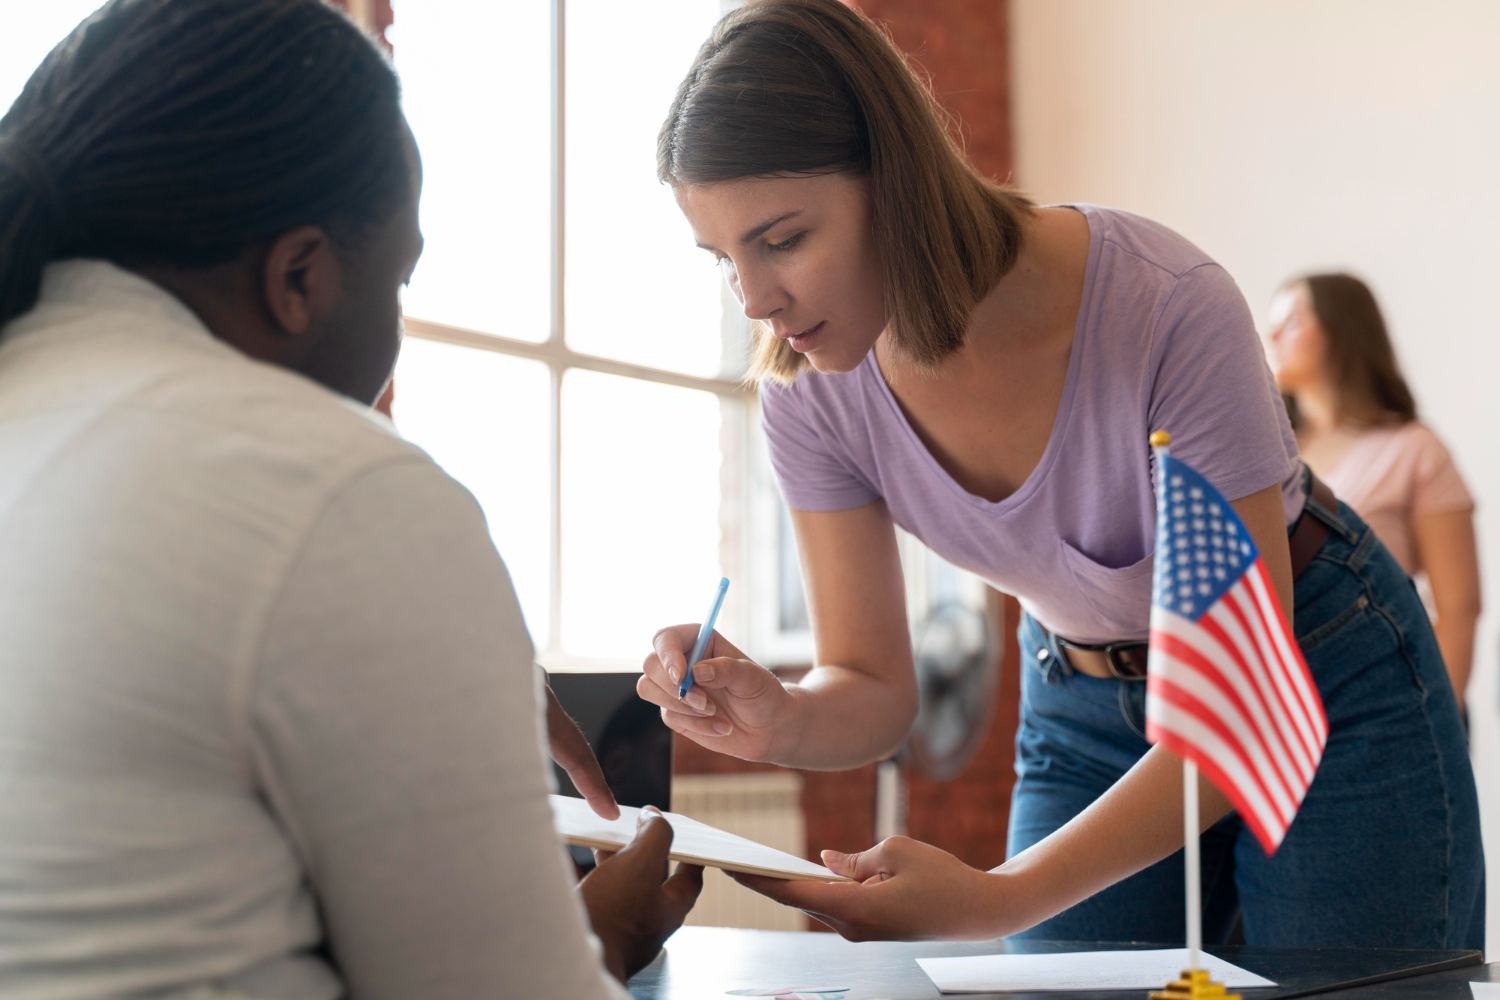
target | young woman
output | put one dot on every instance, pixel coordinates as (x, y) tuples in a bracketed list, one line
[(1357, 427), (268, 715), (936, 352)]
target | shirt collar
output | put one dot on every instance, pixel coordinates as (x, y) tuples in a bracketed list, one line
[(91, 290)]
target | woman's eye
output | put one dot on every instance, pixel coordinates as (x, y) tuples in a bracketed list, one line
[(787, 244)]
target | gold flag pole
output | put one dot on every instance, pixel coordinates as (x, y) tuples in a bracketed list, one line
[(1194, 983)]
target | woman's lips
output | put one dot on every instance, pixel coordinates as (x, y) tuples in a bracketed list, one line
[(807, 340)]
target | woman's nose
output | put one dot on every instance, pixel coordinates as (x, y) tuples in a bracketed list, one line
[(758, 292)]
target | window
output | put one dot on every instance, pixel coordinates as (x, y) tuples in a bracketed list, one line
[(570, 357), (31, 31)]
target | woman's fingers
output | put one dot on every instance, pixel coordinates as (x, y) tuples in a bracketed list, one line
[(838, 904), (876, 864), (695, 724), (668, 700), (671, 646)]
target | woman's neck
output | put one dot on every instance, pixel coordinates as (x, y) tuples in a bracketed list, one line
[(1319, 411)]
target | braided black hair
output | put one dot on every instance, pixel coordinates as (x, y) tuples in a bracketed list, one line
[(181, 132)]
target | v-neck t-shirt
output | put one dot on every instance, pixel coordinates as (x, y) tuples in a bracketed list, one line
[(1163, 341)]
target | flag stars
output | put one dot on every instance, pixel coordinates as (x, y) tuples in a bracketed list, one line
[(1201, 548)]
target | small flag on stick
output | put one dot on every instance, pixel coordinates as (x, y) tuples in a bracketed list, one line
[(1227, 689)]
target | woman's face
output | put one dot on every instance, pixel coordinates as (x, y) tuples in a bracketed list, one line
[(799, 254), (1295, 343)]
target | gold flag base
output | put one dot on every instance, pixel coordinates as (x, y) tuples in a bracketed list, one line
[(1194, 985)]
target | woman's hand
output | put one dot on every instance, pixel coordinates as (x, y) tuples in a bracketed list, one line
[(632, 904), (904, 890), (735, 706)]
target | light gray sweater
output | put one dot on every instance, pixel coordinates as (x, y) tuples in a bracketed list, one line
[(265, 690)]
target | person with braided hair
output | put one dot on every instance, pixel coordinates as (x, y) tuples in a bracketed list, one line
[(268, 715)]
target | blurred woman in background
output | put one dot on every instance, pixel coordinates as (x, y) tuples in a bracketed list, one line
[(1356, 425)]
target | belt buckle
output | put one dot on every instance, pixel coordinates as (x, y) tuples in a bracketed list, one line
[(1116, 665)]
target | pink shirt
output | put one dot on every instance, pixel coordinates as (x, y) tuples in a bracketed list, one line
[(1393, 474)]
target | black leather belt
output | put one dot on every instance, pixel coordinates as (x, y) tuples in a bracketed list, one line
[(1126, 661)]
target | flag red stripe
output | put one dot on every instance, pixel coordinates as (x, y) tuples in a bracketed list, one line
[(1301, 676), (1170, 693), (1284, 756), (1292, 736), (1192, 658), (1211, 770), (1279, 669)]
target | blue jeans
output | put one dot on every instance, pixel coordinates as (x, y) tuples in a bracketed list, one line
[(1385, 851)]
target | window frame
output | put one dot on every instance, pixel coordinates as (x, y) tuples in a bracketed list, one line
[(738, 400)]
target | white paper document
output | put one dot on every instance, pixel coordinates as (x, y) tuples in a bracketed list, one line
[(1077, 970), (692, 841), (1485, 991)]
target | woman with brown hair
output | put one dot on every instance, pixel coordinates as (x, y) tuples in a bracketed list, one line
[(1357, 427), (936, 352)]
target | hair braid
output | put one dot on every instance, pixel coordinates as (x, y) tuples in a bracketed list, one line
[(182, 131)]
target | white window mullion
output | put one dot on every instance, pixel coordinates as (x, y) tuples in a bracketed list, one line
[(557, 338)]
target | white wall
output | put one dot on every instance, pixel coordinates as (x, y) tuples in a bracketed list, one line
[(1285, 135)]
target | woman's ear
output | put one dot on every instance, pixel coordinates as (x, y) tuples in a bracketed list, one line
[(303, 280)]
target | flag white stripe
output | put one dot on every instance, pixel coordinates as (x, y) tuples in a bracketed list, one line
[(1277, 671), (1247, 685), (1208, 743), (1246, 732), (1290, 658), (1284, 670), (1224, 616)]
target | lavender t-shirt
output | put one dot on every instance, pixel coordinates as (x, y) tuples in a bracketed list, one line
[(1164, 341)]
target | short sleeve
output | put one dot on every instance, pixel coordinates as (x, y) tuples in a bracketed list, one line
[(1437, 487), (1213, 391), (813, 473)]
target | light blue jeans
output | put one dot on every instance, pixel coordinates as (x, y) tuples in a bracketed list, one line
[(1385, 851)]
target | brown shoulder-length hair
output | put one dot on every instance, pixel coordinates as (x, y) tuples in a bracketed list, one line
[(800, 87), (1369, 389)]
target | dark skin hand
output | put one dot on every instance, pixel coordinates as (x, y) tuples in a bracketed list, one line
[(633, 905), (566, 744)]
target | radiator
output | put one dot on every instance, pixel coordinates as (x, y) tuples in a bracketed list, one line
[(764, 807)]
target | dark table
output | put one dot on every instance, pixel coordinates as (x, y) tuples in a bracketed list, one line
[(704, 962)]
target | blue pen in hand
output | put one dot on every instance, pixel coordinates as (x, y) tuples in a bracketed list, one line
[(703, 636)]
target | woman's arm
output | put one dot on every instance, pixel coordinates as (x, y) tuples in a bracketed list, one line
[(1447, 551), (856, 705), (910, 891)]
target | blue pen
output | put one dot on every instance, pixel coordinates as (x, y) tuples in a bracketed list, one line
[(703, 635)]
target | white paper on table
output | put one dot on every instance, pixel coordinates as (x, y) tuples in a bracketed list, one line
[(1485, 991), (1077, 970), (694, 842)]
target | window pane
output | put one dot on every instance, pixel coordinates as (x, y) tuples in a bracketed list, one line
[(483, 417), (640, 511), (637, 287), (31, 31), (476, 76)]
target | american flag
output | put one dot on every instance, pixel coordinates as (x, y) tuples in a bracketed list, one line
[(1227, 687)]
